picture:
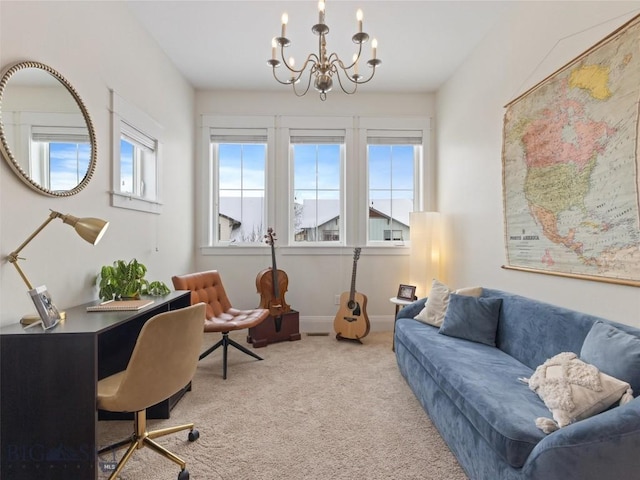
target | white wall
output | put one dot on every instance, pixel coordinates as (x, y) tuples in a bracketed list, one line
[(314, 280), (97, 46), (533, 41)]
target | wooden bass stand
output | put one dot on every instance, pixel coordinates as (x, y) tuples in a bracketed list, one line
[(275, 329)]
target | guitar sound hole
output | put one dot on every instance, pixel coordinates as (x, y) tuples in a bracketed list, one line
[(351, 305)]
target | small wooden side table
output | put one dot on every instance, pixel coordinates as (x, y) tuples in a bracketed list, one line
[(398, 302)]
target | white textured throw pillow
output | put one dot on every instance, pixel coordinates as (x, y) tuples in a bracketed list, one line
[(436, 307), (574, 390)]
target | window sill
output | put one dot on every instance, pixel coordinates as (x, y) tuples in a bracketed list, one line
[(131, 202), (244, 250)]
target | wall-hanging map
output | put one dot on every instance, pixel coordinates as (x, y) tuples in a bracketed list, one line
[(570, 167)]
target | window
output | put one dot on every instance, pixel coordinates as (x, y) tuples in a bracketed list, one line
[(317, 158), (319, 181), (393, 160), (239, 158), (396, 235), (60, 156), (137, 163), (136, 158)]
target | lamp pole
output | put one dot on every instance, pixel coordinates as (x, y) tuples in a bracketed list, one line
[(13, 256)]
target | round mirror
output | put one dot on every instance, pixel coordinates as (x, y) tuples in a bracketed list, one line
[(46, 134)]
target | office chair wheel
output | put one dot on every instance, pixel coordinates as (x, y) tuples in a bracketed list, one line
[(193, 436), (183, 475)]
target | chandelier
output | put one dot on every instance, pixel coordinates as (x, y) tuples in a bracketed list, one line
[(320, 67)]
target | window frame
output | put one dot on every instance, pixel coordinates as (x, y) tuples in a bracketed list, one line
[(398, 127), (279, 191), (239, 133), (210, 178), (40, 148), (129, 121), (313, 131)]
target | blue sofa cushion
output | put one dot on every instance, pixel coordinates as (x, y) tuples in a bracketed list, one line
[(482, 382), (614, 352), (532, 331), (471, 318)]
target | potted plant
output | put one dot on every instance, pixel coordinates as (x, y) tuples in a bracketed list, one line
[(126, 280)]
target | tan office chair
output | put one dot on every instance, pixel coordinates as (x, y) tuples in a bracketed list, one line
[(163, 361), (220, 316)]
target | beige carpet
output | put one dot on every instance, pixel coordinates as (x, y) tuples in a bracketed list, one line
[(315, 408)]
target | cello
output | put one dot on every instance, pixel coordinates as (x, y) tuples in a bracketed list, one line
[(272, 284)]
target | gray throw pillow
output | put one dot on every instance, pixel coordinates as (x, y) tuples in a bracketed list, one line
[(613, 352), (471, 318)]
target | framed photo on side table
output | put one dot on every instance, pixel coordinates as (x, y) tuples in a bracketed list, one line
[(407, 292), (49, 314)]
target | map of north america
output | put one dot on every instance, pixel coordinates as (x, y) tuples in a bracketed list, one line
[(571, 167)]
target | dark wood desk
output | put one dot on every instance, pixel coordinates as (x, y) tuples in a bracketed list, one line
[(48, 387)]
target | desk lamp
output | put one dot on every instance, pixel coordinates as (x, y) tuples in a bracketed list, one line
[(90, 229)]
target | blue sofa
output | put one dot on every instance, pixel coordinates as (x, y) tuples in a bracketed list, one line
[(487, 416)]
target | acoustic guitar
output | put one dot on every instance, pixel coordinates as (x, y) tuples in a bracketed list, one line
[(352, 322)]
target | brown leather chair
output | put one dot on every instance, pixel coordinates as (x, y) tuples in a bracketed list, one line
[(220, 315), (163, 361)]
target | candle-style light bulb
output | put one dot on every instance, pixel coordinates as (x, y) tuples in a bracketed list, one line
[(285, 20), (374, 48), (359, 16), (273, 48), (355, 63), (321, 7)]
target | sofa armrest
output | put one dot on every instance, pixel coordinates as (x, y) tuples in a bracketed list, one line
[(413, 309), (602, 447)]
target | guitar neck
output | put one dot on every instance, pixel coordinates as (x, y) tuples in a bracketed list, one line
[(353, 279)]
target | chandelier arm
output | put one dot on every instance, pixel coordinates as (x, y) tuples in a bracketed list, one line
[(339, 77), (344, 70), (288, 82), (308, 84), (312, 57), (333, 58), (373, 72)]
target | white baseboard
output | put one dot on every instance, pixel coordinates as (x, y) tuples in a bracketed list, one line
[(321, 324)]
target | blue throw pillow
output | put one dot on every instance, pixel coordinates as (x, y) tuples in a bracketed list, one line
[(472, 318), (614, 352)]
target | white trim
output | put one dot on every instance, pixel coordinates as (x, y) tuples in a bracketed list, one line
[(130, 121), (123, 200), (324, 324), (304, 250)]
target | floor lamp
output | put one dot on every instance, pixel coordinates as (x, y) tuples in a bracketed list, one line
[(90, 229), (424, 260)]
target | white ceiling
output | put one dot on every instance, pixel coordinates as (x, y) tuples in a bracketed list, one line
[(226, 44)]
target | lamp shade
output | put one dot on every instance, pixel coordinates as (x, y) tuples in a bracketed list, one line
[(90, 229), (425, 250)]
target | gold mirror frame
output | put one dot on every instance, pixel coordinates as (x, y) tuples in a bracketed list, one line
[(6, 150)]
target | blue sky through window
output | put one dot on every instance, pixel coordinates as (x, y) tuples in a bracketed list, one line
[(316, 172), (68, 164), (126, 166), (391, 171)]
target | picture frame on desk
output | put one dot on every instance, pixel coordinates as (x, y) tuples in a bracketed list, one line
[(48, 312), (406, 292)]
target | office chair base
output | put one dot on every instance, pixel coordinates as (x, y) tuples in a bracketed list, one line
[(224, 343), (141, 438)]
